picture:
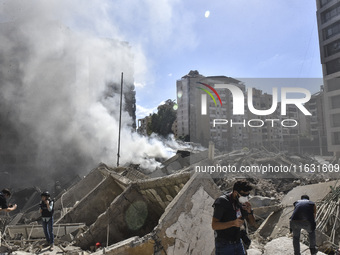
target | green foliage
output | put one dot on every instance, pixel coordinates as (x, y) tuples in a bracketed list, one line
[(162, 121)]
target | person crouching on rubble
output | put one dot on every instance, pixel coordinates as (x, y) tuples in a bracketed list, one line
[(230, 211), (46, 210), (303, 217), (4, 195)]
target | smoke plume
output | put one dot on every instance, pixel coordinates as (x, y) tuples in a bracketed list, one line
[(59, 91)]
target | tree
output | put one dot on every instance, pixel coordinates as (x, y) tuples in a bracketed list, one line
[(161, 122)]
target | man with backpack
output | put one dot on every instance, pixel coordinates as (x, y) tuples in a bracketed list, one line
[(230, 212), (46, 210)]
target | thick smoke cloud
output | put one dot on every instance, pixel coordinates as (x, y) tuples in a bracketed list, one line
[(54, 90)]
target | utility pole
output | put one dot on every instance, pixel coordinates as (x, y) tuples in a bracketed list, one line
[(120, 118)]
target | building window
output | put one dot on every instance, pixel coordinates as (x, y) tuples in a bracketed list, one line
[(336, 138), (324, 2), (330, 13), (333, 66), (332, 48), (332, 30), (335, 120), (333, 84), (335, 102)]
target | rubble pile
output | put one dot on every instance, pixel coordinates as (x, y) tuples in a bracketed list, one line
[(22, 246), (132, 211), (279, 246), (328, 216), (269, 184), (277, 223)]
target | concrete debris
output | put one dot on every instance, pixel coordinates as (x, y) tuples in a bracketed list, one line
[(131, 211), (284, 246), (181, 160), (324, 194), (263, 158), (29, 232), (182, 228), (259, 201), (135, 211), (132, 172), (328, 216), (254, 252), (317, 192)]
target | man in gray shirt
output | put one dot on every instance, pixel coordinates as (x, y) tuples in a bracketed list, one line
[(303, 217)]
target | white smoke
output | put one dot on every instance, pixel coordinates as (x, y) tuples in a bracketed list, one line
[(54, 85)]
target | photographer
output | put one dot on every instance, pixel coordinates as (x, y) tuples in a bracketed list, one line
[(46, 210), (4, 195), (230, 211)]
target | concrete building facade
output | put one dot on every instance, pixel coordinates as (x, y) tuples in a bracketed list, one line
[(328, 19), (316, 125), (199, 127), (238, 131), (143, 124)]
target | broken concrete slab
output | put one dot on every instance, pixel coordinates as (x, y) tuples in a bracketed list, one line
[(254, 252), (82, 192), (284, 246), (36, 231), (267, 227), (94, 203), (180, 161), (67, 238), (316, 192), (260, 201), (264, 212), (184, 227), (82, 188), (131, 246), (134, 212), (275, 226)]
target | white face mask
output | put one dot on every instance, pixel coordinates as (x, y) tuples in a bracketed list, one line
[(243, 200)]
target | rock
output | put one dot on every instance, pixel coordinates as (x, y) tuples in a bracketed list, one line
[(254, 252), (259, 201), (68, 238), (284, 246)]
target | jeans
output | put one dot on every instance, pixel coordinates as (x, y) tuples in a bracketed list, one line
[(48, 230), (225, 248), (296, 226)]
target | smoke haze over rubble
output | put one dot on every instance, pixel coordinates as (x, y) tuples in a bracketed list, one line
[(53, 88)]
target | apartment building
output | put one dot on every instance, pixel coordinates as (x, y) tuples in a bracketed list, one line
[(328, 19), (231, 131)]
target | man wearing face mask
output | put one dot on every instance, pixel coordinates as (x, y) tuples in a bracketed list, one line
[(230, 211)]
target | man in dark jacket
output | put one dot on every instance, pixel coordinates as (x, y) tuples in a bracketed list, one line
[(46, 210), (4, 195), (303, 217), (230, 211)]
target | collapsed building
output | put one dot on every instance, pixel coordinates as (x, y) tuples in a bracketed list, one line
[(168, 211)]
